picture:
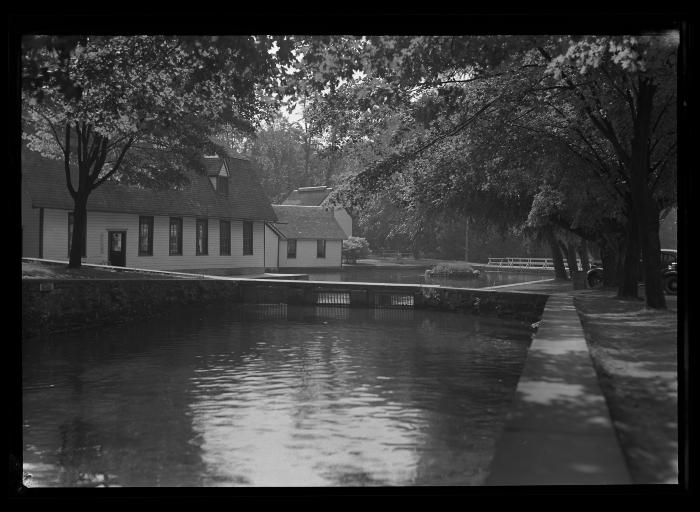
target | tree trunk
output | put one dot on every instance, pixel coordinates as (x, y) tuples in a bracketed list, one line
[(611, 259), (645, 209), (651, 256), (332, 158), (557, 258), (79, 227), (307, 159), (583, 253), (466, 240), (570, 252), (628, 270)]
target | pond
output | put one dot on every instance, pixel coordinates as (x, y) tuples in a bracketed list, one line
[(416, 275), (255, 395)]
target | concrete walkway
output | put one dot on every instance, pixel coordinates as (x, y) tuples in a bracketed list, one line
[(559, 430)]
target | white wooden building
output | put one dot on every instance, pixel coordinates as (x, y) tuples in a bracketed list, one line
[(318, 196), (305, 237), (215, 223)]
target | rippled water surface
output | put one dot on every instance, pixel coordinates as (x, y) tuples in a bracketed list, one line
[(270, 396)]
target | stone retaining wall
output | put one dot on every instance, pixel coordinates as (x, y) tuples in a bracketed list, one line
[(522, 306), (59, 305)]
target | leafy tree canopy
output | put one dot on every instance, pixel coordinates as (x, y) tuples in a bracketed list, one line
[(122, 100)]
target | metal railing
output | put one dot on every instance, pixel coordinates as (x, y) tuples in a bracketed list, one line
[(526, 263)]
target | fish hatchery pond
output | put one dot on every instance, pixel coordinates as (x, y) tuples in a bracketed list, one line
[(271, 395)]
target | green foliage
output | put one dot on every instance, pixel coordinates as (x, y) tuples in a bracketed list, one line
[(356, 243), (354, 248), (532, 133), (453, 268), (137, 95), (141, 109)]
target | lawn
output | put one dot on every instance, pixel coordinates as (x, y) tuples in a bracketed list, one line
[(42, 270), (634, 350)]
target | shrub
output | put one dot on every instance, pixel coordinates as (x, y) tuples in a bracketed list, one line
[(452, 268), (355, 247)]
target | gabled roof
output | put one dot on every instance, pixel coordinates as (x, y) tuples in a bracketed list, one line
[(305, 222), (45, 181), (308, 196), (246, 197), (213, 164)]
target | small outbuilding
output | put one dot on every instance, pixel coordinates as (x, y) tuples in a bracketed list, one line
[(305, 237), (318, 196)]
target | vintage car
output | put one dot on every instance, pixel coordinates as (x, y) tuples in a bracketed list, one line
[(669, 273), (670, 278)]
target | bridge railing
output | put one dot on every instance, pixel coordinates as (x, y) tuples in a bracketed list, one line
[(526, 263)]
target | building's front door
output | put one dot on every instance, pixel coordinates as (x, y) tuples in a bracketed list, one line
[(117, 248)]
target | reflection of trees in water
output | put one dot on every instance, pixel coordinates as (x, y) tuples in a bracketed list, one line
[(157, 402), (413, 348), (124, 412)]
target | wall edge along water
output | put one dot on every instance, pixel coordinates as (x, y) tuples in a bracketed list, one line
[(55, 305)]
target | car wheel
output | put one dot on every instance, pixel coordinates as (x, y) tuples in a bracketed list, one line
[(671, 285), (595, 280)]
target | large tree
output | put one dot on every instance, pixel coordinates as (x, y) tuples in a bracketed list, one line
[(140, 109), (625, 89), (608, 100)]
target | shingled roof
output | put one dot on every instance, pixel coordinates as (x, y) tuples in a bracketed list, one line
[(307, 222), (45, 181), (212, 165), (308, 196)]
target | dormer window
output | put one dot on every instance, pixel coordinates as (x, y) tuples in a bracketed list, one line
[(219, 180), (222, 185)]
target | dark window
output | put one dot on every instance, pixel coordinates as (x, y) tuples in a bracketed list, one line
[(225, 238), (320, 248), (667, 258), (247, 237), (175, 236), (291, 248), (202, 237), (70, 235), (145, 236), (222, 185)]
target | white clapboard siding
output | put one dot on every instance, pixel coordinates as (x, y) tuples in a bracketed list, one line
[(98, 223), (271, 248), (55, 234), (306, 254), (30, 227)]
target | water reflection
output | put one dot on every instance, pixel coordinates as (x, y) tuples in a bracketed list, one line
[(270, 395)]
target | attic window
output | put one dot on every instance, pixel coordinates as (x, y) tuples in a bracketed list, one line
[(222, 185)]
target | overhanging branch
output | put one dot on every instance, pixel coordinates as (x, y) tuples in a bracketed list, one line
[(116, 165)]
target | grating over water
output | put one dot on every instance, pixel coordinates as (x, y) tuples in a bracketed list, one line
[(271, 396), (338, 298)]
